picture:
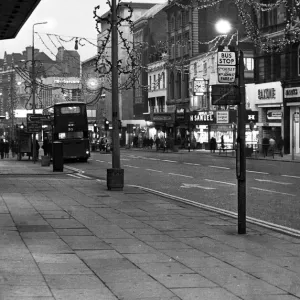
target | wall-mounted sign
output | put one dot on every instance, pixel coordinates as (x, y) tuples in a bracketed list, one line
[(274, 114), (292, 92), (162, 117), (270, 92), (251, 116), (180, 114), (266, 94), (222, 116), (199, 86), (205, 117), (226, 64)]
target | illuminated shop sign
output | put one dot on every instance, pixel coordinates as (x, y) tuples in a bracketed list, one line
[(266, 94), (292, 92), (203, 116)]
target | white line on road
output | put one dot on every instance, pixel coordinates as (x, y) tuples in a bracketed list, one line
[(100, 160), (173, 161), (192, 164), (109, 162), (131, 166), (291, 176), (84, 176), (271, 191), (257, 172), (124, 159), (191, 185), (153, 170), (271, 181), (218, 167), (220, 181), (74, 169), (152, 158), (180, 175), (74, 176)]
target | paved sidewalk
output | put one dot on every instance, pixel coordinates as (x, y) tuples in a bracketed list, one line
[(72, 239)]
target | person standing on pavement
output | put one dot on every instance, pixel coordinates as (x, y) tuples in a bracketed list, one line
[(280, 144), (1, 148), (6, 149), (265, 146), (222, 143)]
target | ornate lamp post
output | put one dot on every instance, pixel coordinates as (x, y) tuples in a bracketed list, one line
[(33, 88)]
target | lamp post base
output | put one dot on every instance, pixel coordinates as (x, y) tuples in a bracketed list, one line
[(115, 179)]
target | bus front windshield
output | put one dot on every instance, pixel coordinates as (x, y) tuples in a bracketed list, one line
[(70, 135)]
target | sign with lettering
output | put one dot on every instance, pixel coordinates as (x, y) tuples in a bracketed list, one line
[(224, 94), (199, 86), (251, 116), (226, 64), (268, 93), (205, 117), (162, 117), (222, 116), (274, 114), (292, 92), (34, 123)]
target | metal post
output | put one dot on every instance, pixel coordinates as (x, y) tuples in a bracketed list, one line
[(33, 94), (241, 158), (12, 105), (293, 136), (115, 176)]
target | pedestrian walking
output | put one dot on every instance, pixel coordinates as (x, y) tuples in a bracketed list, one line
[(45, 146), (6, 149), (2, 148), (213, 145), (157, 142), (151, 142), (222, 143), (280, 145), (13, 148), (189, 145), (265, 146)]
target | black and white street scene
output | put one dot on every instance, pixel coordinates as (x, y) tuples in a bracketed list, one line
[(149, 150)]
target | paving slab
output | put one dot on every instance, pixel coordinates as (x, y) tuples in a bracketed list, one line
[(66, 238)]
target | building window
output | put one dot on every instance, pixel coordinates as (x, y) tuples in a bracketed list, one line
[(163, 80), (298, 59), (248, 64), (195, 68), (150, 83), (204, 67), (154, 82)]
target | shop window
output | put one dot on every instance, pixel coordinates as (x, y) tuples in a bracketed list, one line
[(163, 80), (150, 83), (154, 82)]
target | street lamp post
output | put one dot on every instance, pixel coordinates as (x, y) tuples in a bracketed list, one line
[(224, 27), (115, 176), (33, 89)]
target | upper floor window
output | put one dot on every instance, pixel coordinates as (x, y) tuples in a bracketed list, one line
[(150, 83), (179, 20), (163, 80), (154, 82), (249, 64), (298, 59), (195, 68), (204, 67)]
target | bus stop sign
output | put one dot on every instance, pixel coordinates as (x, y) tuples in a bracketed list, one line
[(226, 64)]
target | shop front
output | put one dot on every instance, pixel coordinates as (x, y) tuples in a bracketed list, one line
[(201, 122), (269, 103), (163, 123), (291, 112)]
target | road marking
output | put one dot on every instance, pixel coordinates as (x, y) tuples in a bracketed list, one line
[(131, 166), (220, 181), (173, 161), (100, 160), (74, 169), (271, 181), (153, 158), (180, 175), (291, 176), (257, 172), (84, 176), (74, 176), (190, 185), (271, 191), (279, 228), (109, 162), (192, 164), (124, 159), (218, 167), (153, 170)]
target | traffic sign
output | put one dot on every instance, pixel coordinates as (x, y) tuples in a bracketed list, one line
[(225, 94), (34, 123), (226, 64), (38, 117)]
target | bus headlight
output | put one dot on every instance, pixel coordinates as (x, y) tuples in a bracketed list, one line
[(87, 151)]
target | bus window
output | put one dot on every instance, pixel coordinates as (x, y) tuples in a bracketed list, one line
[(70, 135), (70, 110)]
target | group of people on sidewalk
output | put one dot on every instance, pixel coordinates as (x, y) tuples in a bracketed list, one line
[(5, 147)]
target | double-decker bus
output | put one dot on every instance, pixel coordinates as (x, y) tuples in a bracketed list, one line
[(69, 125)]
